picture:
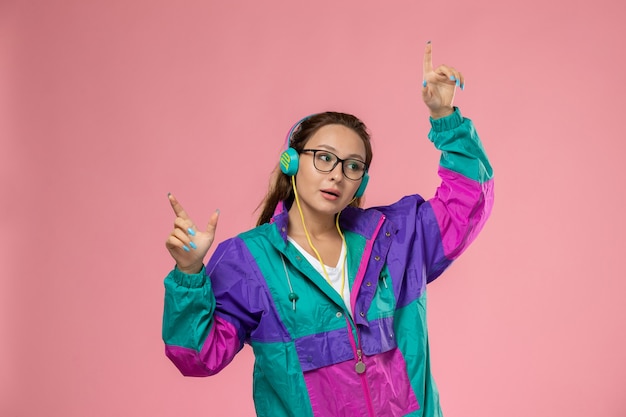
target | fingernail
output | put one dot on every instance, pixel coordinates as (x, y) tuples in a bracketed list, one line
[(185, 248), (427, 42), (193, 245), (463, 86), (191, 231), (458, 83), (217, 211), (452, 78), (424, 83)]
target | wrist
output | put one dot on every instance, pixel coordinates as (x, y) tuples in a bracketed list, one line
[(186, 278), (190, 270), (449, 122), (441, 112)]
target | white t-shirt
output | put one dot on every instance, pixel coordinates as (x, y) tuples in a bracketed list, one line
[(334, 273)]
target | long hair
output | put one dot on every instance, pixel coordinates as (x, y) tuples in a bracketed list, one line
[(280, 188)]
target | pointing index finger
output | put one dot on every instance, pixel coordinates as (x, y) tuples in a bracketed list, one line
[(428, 58), (178, 209)]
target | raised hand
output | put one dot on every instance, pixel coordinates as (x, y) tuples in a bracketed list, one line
[(188, 245), (439, 85)]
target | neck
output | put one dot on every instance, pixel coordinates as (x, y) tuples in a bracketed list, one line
[(324, 239), (318, 227)]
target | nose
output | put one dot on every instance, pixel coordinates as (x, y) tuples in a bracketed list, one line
[(337, 172)]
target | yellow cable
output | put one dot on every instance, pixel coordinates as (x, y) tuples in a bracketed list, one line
[(308, 238)]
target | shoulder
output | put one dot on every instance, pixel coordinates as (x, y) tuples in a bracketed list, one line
[(365, 221), (263, 239), (408, 205), (265, 231), (239, 252)]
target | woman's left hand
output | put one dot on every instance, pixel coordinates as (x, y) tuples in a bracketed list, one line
[(439, 86)]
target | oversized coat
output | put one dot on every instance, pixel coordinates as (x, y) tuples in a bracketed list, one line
[(312, 357)]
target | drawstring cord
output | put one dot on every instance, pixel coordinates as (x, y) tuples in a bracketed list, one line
[(293, 297)]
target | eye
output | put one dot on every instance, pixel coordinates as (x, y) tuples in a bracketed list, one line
[(354, 165), (325, 156)]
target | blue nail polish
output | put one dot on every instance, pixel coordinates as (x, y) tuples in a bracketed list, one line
[(458, 83), (452, 78), (185, 248), (191, 231), (193, 245), (463, 86), (424, 83)]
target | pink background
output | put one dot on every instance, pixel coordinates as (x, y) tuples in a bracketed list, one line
[(107, 105)]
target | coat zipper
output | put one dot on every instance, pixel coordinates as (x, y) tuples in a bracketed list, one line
[(359, 366)]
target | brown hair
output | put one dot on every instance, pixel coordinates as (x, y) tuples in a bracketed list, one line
[(280, 188)]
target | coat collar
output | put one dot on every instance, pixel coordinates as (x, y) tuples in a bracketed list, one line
[(353, 219)]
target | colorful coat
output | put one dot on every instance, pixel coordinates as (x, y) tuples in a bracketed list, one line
[(312, 358)]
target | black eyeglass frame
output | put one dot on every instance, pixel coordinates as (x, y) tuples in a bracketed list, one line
[(337, 161)]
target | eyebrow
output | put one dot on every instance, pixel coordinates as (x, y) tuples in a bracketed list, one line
[(351, 156)]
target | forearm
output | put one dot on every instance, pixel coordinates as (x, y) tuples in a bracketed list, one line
[(197, 341), (463, 201)]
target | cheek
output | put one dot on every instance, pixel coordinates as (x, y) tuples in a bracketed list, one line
[(350, 190), (304, 177)]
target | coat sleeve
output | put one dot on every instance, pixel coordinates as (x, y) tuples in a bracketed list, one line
[(207, 317), (464, 199)]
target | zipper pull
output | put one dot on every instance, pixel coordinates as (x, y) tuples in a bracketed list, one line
[(360, 366)]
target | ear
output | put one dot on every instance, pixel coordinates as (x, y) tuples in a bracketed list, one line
[(289, 162), (361, 190)]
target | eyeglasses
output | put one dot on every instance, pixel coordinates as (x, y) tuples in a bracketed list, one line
[(325, 161)]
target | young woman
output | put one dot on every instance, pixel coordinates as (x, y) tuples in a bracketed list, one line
[(331, 297)]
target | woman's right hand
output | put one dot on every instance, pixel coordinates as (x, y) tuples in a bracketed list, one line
[(188, 245), (439, 85)]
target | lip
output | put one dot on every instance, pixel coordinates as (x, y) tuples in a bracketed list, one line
[(331, 193)]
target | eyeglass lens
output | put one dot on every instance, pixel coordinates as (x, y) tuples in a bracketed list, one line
[(326, 161)]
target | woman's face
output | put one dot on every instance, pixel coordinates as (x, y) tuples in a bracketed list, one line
[(329, 192)]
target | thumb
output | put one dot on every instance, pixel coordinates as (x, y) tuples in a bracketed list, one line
[(427, 94), (212, 225)]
